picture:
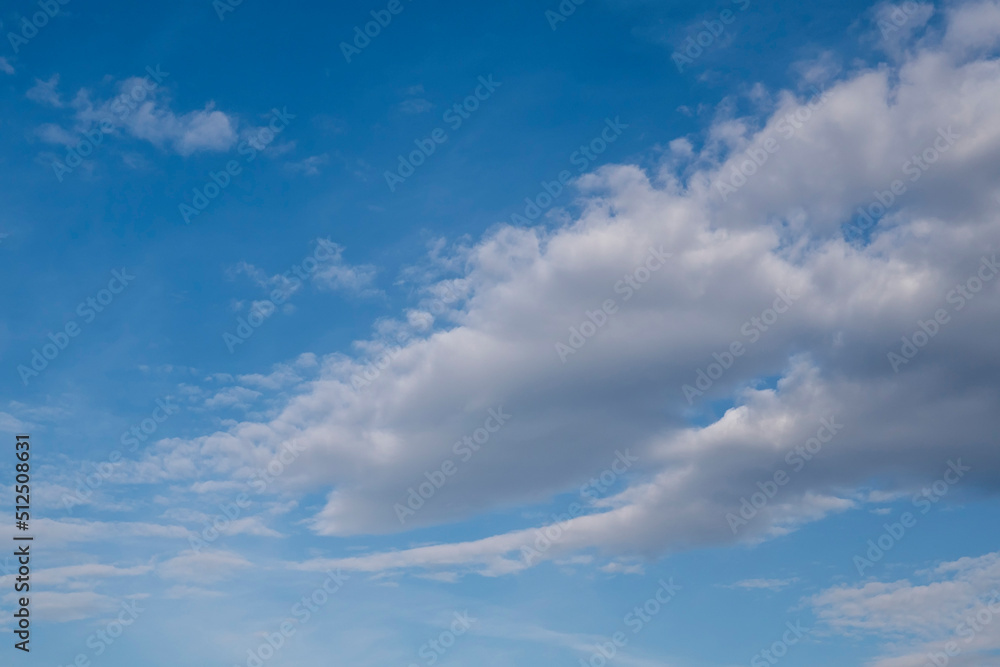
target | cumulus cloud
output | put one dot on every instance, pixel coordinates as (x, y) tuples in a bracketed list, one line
[(647, 290)]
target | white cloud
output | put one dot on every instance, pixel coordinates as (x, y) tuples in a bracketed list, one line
[(62, 607), (331, 273), (763, 584), (191, 592), (203, 567), (87, 572), (415, 105), (80, 530), (51, 133), (233, 397), (45, 92), (309, 166), (5, 66), (522, 289), (11, 424), (960, 604), (141, 109), (337, 275)]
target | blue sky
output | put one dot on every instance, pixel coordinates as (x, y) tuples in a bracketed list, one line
[(613, 337)]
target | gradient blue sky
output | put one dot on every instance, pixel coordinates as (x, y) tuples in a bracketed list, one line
[(466, 294)]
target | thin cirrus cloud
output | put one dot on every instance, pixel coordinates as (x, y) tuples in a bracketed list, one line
[(957, 605)]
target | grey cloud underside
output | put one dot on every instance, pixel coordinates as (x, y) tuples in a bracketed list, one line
[(623, 388)]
